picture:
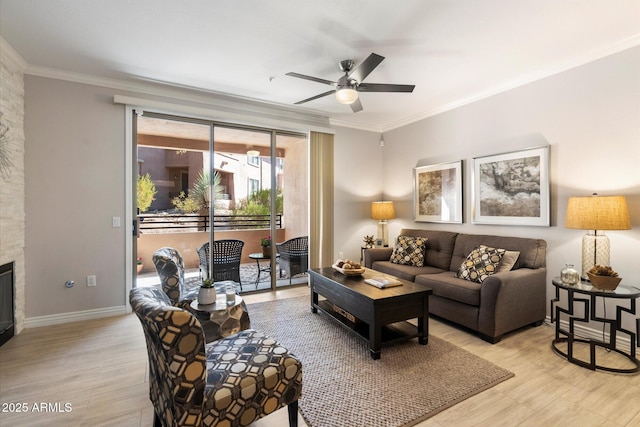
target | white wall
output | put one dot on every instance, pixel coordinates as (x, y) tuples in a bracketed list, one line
[(590, 117)]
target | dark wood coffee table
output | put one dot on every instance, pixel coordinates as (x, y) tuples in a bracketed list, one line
[(378, 315)]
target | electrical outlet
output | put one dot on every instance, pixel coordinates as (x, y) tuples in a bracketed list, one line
[(91, 280), (115, 221)]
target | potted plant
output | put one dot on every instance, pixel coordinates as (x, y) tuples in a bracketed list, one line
[(139, 265), (207, 292), (265, 242)]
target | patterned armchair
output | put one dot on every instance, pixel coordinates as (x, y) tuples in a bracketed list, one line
[(170, 268), (229, 382), (226, 260), (294, 256)]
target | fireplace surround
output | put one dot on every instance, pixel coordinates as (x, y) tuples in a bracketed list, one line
[(7, 308)]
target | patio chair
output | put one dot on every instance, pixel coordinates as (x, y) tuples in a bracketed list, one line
[(231, 382), (170, 268), (294, 256), (226, 260)]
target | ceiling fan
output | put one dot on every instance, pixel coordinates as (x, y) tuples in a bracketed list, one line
[(348, 86)]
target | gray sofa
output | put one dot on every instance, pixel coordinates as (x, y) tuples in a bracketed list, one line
[(505, 301)]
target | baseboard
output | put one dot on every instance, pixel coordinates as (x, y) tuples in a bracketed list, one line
[(74, 316), (590, 333)]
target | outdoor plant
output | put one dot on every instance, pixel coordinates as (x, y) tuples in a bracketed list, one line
[(185, 203), (259, 203), (146, 192), (198, 197), (139, 262), (265, 241), (207, 283)]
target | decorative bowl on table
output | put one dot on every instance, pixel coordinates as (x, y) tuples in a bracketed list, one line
[(607, 283), (352, 268)]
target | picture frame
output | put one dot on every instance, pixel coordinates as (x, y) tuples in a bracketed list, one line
[(512, 188), (437, 193)]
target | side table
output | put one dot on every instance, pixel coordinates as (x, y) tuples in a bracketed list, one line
[(259, 256), (585, 295), (221, 320)]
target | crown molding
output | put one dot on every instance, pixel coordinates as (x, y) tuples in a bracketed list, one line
[(145, 93), (13, 57)]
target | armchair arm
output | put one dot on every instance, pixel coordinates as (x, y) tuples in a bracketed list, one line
[(512, 299), (376, 254)]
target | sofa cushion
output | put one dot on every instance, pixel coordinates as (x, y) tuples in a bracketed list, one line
[(409, 251), (447, 285), (532, 251), (406, 272), (439, 246), (508, 261), (481, 263)]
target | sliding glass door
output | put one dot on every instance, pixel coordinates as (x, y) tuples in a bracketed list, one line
[(200, 182)]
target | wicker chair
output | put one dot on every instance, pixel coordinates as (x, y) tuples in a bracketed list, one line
[(226, 260), (170, 268), (294, 256), (230, 382)]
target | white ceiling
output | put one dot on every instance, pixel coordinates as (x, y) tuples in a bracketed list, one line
[(454, 51)]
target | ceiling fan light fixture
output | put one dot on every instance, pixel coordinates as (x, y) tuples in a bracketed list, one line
[(346, 95)]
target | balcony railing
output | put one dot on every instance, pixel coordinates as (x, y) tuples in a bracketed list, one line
[(183, 223)]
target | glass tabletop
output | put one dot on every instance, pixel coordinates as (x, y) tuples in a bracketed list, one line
[(622, 291)]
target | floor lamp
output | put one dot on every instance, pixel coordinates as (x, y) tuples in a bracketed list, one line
[(383, 211), (596, 214)]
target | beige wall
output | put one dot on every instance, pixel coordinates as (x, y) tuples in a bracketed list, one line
[(296, 191), (187, 243), (75, 184)]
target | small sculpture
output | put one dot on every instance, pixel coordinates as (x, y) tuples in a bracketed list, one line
[(369, 242)]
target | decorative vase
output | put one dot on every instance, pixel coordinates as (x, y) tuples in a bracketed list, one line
[(139, 268), (266, 251), (206, 296), (569, 275)]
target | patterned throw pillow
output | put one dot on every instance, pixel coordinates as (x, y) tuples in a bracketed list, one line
[(481, 263), (409, 251)]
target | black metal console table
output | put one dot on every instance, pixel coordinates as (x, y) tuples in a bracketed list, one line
[(585, 294)]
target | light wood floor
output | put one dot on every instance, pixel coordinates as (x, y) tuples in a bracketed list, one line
[(99, 368)]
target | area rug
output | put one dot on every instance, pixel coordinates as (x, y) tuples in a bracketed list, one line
[(343, 386)]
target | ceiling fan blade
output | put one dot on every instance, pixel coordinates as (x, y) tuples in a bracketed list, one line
[(329, 92), (356, 106), (383, 87), (313, 79), (366, 67)]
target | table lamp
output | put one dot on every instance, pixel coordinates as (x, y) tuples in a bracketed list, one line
[(596, 214), (383, 211)]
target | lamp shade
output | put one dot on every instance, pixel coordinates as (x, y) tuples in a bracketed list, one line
[(383, 210), (598, 213), (346, 95), (253, 153)]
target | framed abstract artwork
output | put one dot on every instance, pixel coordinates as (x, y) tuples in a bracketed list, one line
[(512, 188), (437, 193)]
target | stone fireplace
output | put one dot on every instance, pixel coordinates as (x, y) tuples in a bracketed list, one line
[(12, 187)]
